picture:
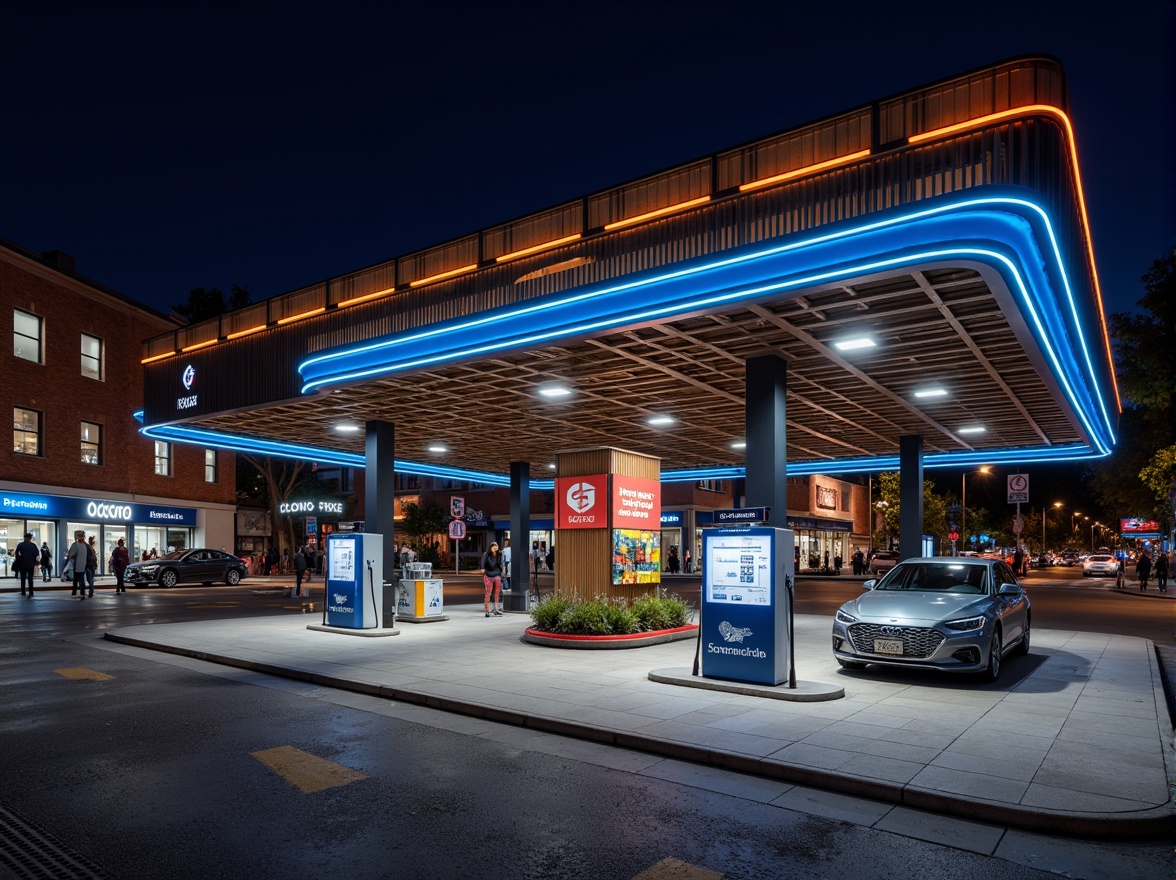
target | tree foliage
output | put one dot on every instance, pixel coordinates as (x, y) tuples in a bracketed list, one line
[(1135, 480), (934, 508), (205, 303), (422, 519)]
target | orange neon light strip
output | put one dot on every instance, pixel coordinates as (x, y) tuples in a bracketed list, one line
[(358, 299), (204, 344), (660, 212), (241, 333), (301, 315), (537, 248), (157, 357), (807, 169), (1030, 110), (470, 268)]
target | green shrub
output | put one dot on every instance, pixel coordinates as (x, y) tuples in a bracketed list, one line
[(598, 616)]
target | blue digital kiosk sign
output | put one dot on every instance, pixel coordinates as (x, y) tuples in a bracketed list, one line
[(355, 580), (747, 575)]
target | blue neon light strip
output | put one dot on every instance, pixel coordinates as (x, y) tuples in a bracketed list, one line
[(1001, 230), (255, 446)]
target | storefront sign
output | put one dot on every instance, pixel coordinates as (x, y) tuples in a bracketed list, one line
[(671, 518), (581, 502), (741, 515), (30, 506), (826, 497), (1138, 527), (296, 508), (636, 502)]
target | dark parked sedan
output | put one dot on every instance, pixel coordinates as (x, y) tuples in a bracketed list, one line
[(197, 566)]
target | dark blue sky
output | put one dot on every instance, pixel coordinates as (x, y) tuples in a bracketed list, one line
[(171, 145)]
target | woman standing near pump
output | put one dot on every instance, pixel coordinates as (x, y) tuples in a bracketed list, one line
[(492, 571)]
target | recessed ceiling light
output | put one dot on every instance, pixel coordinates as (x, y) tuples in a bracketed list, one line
[(437, 447), (346, 429), (555, 391), (661, 421), (739, 444), (972, 429), (854, 342), (932, 392)]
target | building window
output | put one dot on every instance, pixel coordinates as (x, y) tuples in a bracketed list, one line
[(210, 465), (163, 460), (26, 431), (91, 356), (26, 336), (91, 443), (711, 485)]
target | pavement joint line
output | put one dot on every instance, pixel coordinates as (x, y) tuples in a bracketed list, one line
[(1156, 822)]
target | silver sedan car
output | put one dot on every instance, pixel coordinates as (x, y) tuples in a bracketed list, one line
[(948, 613)]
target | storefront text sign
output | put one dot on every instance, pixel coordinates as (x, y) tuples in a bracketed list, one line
[(636, 503)]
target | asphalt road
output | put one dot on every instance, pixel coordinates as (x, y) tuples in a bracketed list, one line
[(134, 765)]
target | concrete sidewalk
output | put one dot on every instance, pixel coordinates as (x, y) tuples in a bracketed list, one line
[(1074, 739)]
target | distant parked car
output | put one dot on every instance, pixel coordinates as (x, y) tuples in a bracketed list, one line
[(197, 566), (948, 613), (883, 560), (1100, 565)]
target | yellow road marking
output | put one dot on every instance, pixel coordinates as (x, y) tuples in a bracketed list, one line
[(675, 869), (307, 772), (81, 673)]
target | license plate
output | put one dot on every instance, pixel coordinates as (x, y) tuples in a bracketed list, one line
[(887, 646)]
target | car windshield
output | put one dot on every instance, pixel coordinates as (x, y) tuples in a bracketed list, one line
[(175, 554), (936, 577)]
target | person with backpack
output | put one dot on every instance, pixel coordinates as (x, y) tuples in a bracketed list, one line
[(28, 557), (76, 563), (1143, 569), (91, 565), (46, 561), (120, 558), (492, 571)]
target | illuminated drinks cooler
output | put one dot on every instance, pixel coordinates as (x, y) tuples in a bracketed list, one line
[(421, 599)]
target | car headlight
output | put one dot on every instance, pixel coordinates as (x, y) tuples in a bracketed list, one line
[(965, 623), (149, 569), (845, 618)]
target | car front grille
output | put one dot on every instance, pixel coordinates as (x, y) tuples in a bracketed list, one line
[(917, 642)]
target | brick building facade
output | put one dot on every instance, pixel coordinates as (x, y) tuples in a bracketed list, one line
[(72, 381)]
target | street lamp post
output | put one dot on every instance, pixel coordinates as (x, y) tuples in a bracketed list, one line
[(1093, 526), (964, 503), (1056, 504)]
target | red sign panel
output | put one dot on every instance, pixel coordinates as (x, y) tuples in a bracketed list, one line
[(581, 502), (1134, 525), (636, 503)]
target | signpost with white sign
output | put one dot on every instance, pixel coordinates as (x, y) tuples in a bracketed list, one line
[(1018, 488)]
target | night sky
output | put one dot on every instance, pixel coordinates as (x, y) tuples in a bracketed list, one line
[(172, 145)]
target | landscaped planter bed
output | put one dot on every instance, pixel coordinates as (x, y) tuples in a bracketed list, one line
[(630, 640)]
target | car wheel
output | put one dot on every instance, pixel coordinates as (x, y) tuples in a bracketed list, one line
[(992, 672), (1023, 646), (232, 577), (850, 664), (168, 579)]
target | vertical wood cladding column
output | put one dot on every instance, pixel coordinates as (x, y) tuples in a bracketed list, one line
[(583, 560)]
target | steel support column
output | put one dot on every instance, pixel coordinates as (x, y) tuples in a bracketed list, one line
[(520, 537), (767, 448), (910, 497), (379, 480)]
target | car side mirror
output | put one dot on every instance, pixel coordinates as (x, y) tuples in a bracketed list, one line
[(869, 585), (1008, 590)]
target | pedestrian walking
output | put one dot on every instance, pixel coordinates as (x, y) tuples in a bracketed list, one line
[(689, 566), (27, 558), (300, 566), (46, 561), (1161, 570), (91, 565), (120, 558), (1143, 570), (79, 550), (492, 578), (506, 565)]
